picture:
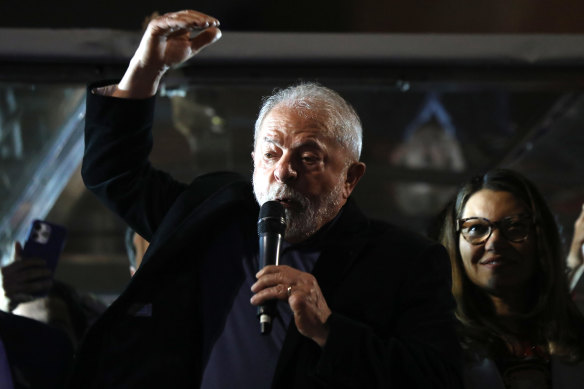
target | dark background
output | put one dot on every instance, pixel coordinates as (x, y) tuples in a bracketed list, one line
[(425, 16), (95, 259)]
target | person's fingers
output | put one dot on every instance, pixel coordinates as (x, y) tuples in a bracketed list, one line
[(26, 278), (272, 275), (29, 288), (29, 264), (176, 23), (18, 298), (303, 294), (273, 282), (23, 272), (578, 236), (272, 269), (269, 280), (205, 38), (17, 251), (194, 20), (194, 17), (278, 291), (34, 273), (580, 220)]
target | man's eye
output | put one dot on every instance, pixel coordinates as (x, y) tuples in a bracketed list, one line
[(309, 159)]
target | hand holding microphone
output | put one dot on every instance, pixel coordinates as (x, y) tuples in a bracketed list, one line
[(299, 289), (271, 228)]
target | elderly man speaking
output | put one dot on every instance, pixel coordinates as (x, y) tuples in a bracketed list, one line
[(360, 303)]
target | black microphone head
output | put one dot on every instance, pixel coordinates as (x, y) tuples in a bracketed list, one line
[(272, 218)]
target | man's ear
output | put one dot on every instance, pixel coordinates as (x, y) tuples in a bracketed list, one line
[(354, 174)]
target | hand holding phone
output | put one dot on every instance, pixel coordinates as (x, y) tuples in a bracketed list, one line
[(24, 280), (30, 274), (45, 240)]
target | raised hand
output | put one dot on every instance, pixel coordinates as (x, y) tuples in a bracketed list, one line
[(167, 42), (303, 294)]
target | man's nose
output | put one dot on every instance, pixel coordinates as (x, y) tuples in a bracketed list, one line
[(284, 171)]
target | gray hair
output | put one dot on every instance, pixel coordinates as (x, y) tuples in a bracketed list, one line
[(311, 98)]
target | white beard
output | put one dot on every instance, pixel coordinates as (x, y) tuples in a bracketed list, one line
[(308, 216)]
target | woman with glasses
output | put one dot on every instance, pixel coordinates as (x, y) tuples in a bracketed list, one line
[(518, 325)]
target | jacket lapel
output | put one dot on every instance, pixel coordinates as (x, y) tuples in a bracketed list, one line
[(341, 247)]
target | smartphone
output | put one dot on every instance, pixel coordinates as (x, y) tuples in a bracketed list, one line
[(45, 240)]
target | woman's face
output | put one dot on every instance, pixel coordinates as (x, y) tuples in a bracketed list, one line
[(497, 266)]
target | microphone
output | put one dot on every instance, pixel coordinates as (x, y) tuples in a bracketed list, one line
[(271, 227)]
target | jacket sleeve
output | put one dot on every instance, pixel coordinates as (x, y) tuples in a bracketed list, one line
[(420, 350), (118, 141)]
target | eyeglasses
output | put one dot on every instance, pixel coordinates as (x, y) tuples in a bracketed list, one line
[(476, 230)]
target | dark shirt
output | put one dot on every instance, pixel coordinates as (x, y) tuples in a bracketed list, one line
[(241, 357)]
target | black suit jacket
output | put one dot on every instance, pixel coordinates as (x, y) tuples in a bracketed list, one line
[(392, 324)]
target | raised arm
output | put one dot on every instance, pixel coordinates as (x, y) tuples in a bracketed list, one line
[(169, 40), (118, 135)]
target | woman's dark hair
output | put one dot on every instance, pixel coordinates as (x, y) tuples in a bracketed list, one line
[(556, 318)]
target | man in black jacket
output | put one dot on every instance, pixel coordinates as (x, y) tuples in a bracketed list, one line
[(361, 304)]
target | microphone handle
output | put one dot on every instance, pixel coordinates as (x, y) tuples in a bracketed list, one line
[(269, 254)]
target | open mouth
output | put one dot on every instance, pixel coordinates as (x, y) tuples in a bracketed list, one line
[(288, 203), (289, 198)]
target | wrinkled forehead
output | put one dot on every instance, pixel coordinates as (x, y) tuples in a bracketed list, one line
[(294, 118)]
